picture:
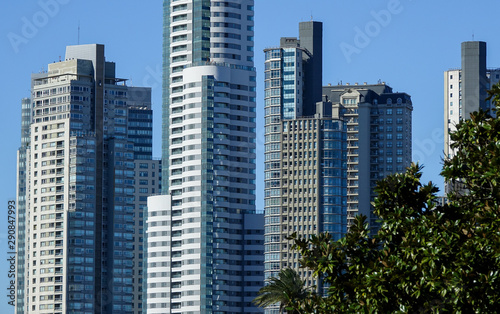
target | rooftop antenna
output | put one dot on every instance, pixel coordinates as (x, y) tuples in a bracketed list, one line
[(472, 35), (78, 32)]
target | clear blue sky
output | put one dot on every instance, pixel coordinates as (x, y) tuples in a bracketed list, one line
[(405, 43)]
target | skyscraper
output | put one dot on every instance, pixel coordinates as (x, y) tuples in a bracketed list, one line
[(465, 88), (197, 259), (304, 149), (324, 151), (82, 131)]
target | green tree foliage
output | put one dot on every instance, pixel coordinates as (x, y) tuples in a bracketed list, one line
[(287, 289), (426, 257)]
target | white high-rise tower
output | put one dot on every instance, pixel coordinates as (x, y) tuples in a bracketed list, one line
[(205, 242)]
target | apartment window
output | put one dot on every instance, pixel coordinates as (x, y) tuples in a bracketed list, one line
[(349, 101), (179, 59), (179, 48), (179, 38), (178, 28), (179, 7), (179, 18)]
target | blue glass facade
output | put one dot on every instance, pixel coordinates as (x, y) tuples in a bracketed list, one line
[(333, 184)]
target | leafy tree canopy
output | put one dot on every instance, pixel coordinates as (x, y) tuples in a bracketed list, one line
[(285, 290)]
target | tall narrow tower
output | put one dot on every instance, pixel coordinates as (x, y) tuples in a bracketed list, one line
[(465, 89), (197, 230), (305, 151), (474, 81)]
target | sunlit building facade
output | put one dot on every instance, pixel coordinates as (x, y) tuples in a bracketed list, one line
[(76, 176)]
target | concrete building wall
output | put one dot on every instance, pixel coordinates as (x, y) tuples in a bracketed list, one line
[(474, 79)]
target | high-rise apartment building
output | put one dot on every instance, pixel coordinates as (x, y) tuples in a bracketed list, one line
[(379, 133), (147, 180), (465, 89), (324, 151), (199, 257), (83, 131), (304, 149)]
